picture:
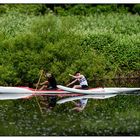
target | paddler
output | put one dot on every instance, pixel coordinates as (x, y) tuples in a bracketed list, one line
[(50, 84), (83, 84)]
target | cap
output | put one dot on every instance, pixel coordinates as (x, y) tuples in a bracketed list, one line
[(48, 74)]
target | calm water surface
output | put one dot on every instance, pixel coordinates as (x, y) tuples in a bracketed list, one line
[(117, 116)]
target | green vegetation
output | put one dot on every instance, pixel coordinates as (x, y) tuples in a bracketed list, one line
[(33, 37), (101, 41)]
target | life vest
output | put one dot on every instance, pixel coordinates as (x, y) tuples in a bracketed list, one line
[(83, 81)]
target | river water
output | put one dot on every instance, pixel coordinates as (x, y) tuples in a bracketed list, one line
[(119, 116)]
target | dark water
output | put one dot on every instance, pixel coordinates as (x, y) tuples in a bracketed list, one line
[(117, 116)]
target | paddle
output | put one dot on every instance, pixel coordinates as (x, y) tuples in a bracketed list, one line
[(41, 73)]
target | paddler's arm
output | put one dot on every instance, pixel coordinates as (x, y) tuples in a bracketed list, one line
[(75, 103), (72, 82), (77, 77), (46, 82)]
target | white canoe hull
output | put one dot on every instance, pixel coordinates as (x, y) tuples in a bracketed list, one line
[(7, 93), (14, 90), (85, 97), (14, 96), (23, 92), (100, 91)]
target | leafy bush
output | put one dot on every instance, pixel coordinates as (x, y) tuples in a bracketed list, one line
[(136, 9), (102, 46), (28, 9), (3, 9), (109, 8), (88, 9)]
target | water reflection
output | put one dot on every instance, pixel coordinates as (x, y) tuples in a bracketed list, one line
[(115, 116)]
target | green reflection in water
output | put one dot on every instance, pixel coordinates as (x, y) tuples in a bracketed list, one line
[(119, 115)]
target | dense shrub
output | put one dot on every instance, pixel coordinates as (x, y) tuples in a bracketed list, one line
[(136, 9), (103, 45), (28, 9), (88, 9)]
